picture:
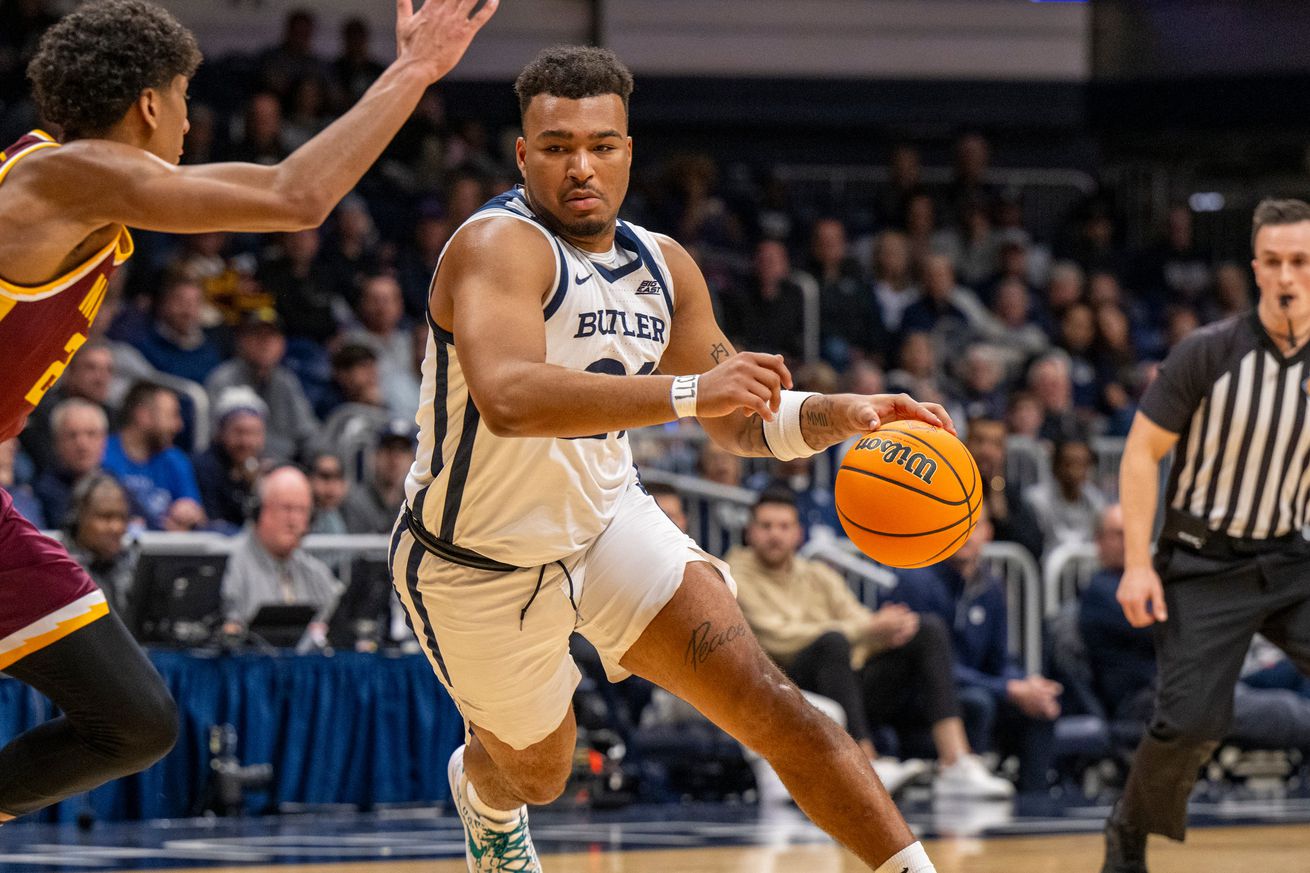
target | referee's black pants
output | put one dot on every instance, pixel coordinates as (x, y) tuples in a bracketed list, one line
[(1216, 603)]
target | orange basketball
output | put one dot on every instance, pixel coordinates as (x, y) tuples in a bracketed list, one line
[(908, 494)]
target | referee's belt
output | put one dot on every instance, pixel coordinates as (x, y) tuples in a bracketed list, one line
[(451, 552), (1190, 532)]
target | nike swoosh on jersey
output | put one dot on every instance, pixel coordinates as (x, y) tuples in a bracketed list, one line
[(582, 279)]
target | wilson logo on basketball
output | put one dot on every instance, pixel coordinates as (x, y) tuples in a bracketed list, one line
[(917, 464)]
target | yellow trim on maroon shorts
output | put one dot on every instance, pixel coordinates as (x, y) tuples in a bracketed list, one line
[(93, 612)]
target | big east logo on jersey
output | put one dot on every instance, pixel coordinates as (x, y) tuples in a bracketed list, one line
[(917, 464)]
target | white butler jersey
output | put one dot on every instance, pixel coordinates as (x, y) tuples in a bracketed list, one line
[(528, 501)]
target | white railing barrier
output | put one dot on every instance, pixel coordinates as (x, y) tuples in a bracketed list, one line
[(1066, 570)]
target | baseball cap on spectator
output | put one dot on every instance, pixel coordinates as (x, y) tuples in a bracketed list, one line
[(265, 317), (237, 399), (398, 432)]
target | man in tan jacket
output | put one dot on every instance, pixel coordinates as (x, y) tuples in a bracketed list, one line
[(888, 666)]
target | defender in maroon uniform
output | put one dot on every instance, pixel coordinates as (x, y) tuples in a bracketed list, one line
[(113, 78)]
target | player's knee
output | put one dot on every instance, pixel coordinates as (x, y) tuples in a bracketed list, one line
[(148, 728), (543, 784)]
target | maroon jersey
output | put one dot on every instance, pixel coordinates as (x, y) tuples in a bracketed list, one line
[(42, 327)]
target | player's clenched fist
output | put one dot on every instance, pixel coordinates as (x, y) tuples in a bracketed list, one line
[(748, 381)]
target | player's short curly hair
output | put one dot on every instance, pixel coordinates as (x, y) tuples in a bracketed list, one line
[(574, 72), (91, 66)]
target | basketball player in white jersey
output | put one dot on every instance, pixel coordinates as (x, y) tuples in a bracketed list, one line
[(555, 327)]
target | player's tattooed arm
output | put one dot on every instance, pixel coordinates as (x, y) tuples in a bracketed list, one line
[(719, 353), (822, 425)]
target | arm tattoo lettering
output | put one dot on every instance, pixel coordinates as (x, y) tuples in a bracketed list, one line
[(706, 640), (719, 353), (817, 417)]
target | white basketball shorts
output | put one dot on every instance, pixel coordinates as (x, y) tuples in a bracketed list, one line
[(502, 651)]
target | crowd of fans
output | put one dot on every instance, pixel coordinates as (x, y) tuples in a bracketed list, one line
[(265, 386)]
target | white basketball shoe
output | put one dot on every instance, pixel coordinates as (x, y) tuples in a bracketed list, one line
[(491, 846)]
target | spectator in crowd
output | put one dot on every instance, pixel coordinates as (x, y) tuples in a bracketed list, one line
[(371, 506), (81, 432), (417, 263), (969, 186), (292, 59), (94, 527), (983, 387), (764, 314), (262, 140), (354, 405), (1012, 518), (1122, 660), (1174, 271), (1094, 245), (1024, 416), (1001, 705), (202, 137), (948, 310), (1068, 504), (893, 283), (1050, 382), (176, 342), (351, 252), (227, 470), (269, 566), (721, 522), (905, 180), (25, 500), (921, 230), (25, 22), (381, 314), (158, 476), (849, 321), (973, 245), (888, 666), (307, 111), (1232, 292), (302, 287), (1078, 339), (1014, 329), (89, 376), (355, 69), (260, 347), (919, 373), (229, 280), (327, 481), (1065, 287), (1011, 265)]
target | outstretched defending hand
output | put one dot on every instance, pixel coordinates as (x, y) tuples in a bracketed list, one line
[(1142, 597), (436, 37), (749, 381)]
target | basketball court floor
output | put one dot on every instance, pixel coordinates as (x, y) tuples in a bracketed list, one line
[(1243, 834)]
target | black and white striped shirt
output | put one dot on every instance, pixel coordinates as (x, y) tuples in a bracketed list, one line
[(1240, 408)]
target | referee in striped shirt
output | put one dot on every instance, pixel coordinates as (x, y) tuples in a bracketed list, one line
[(1233, 402)]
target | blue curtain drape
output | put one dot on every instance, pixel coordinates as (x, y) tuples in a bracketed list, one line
[(349, 728)]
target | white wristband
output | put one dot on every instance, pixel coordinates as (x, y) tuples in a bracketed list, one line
[(911, 859), (783, 435), (683, 395)]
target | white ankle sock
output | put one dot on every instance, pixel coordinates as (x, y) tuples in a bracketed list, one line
[(482, 809), (911, 859)]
